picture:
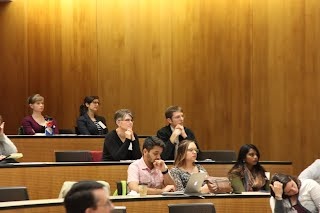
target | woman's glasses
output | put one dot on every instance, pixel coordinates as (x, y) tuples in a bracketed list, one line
[(191, 150)]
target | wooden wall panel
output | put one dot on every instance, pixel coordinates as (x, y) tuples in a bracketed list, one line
[(211, 70), (285, 100), (62, 53), (13, 63), (134, 59), (244, 71)]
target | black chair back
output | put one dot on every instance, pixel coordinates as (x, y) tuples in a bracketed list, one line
[(192, 208), (218, 155), (14, 193), (73, 156)]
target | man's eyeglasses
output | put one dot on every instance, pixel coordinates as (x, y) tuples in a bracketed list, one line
[(191, 150), (128, 120)]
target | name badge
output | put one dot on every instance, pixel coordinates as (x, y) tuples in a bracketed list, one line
[(102, 125), (130, 146)]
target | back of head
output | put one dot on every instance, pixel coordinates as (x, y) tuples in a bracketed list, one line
[(151, 142), (171, 109), (87, 100), (34, 98), (80, 196)]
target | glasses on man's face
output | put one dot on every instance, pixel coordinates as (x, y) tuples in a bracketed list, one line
[(193, 150), (177, 117), (128, 120), (95, 102)]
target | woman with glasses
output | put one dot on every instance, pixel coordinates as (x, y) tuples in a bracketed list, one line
[(89, 123), (185, 166), (122, 143), (247, 174)]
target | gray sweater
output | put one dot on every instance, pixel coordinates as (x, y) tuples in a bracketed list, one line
[(6, 146)]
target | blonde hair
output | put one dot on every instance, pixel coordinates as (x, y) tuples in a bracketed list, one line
[(180, 159), (34, 98)]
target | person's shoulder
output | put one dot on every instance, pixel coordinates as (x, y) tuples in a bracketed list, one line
[(136, 164), (175, 170), (111, 133), (81, 117), (164, 129), (100, 118), (28, 117), (308, 183)]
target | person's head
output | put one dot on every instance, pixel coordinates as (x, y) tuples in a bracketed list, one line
[(124, 119), (174, 115), (87, 197), (152, 149), (290, 185), (249, 155), (187, 151), (89, 103), (36, 103)]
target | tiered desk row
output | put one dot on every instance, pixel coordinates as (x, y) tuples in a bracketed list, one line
[(44, 178)]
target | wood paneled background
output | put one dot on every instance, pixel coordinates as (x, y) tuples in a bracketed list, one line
[(245, 71)]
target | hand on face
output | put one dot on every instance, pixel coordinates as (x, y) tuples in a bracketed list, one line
[(129, 134), (181, 130), (1, 128), (160, 164), (277, 188)]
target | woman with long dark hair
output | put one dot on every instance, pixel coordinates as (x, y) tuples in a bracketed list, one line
[(247, 174), (89, 123)]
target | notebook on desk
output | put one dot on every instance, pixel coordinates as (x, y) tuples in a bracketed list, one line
[(193, 186)]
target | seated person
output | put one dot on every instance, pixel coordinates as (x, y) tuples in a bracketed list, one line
[(150, 169), (184, 166), (247, 174), (6, 146), (89, 123), (87, 196), (312, 172), (122, 143), (36, 122), (292, 195), (174, 132)]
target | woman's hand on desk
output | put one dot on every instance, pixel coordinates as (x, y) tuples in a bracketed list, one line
[(169, 188)]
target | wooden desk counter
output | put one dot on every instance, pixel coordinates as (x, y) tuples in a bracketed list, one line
[(155, 204), (41, 148), (44, 180)]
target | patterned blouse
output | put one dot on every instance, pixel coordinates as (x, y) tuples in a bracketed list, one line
[(181, 177)]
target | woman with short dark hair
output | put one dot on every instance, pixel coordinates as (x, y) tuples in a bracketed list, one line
[(89, 123), (122, 143)]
